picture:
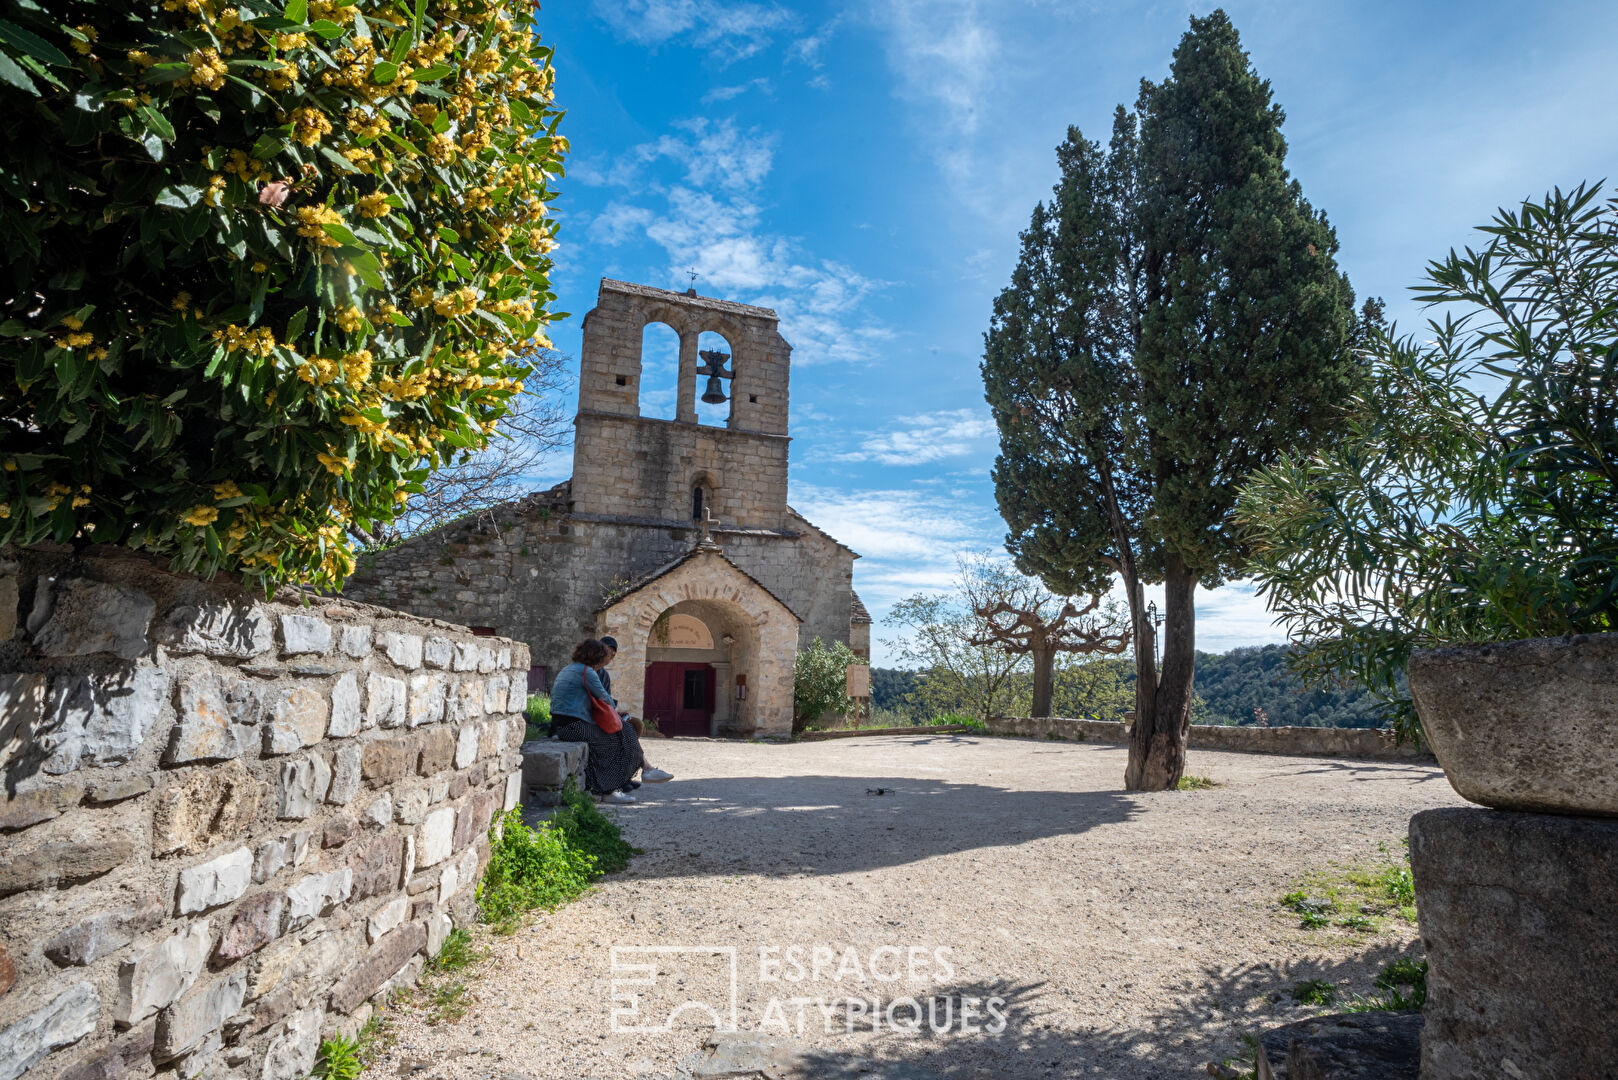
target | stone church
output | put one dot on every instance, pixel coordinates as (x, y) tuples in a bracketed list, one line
[(673, 536)]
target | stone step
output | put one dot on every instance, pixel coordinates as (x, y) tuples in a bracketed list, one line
[(547, 763)]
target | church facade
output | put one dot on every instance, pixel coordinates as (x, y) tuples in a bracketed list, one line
[(673, 536)]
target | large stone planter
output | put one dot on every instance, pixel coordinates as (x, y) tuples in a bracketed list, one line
[(1525, 725)]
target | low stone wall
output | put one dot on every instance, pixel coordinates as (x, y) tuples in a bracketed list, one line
[(1373, 743), (228, 823)]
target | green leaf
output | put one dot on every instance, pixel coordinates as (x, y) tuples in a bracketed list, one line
[(343, 234), (401, 48), (297, 10), (178, 197), (166, 73), (384, 73), (326, 29), (76, 432), (338, 160), (157, 123), (267, 146), (32, 44), (434, 73), (448, 235), (296, 324), (14, 75)]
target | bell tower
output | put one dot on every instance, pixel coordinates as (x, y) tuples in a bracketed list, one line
[(630, 466)]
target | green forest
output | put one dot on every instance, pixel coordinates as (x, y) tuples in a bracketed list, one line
[(1244, 686)]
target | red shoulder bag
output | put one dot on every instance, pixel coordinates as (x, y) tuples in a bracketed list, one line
[(602, 713)]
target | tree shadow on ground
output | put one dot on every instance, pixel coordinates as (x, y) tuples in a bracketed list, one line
[(1042, 1040), (1415, 771), (840, 824)]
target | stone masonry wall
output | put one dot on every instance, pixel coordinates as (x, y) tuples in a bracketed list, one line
[(540, 579), (228, 824), (1371, 743)]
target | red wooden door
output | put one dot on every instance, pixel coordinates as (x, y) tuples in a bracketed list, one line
[(680, 697)]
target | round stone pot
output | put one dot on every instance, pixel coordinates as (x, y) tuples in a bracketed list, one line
[(1525, 725)]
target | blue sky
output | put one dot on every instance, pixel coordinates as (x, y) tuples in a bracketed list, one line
[(864, 169)]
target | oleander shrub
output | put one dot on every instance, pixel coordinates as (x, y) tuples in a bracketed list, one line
[(266, 266)]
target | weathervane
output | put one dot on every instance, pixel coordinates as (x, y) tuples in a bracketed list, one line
[(691, 272)]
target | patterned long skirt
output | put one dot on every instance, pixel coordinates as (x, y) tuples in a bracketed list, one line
[(613, 757)]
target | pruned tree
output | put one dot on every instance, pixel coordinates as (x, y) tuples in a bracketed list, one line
[(1017, 615), (1175, 321)]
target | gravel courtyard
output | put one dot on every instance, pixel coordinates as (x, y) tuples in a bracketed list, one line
[(922, 879)]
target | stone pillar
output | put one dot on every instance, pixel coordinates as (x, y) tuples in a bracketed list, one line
[(1517, 919), (685, 409)]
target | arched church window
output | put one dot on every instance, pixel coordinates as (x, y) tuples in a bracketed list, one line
[(697, 504)]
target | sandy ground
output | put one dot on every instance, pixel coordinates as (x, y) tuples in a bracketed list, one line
[(1005, 891)]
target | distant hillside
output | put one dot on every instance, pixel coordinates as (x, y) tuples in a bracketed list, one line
[(1231, 687)]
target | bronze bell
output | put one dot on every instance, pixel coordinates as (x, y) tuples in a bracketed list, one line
[(715, 394)]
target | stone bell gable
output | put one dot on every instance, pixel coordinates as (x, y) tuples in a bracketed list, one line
[(644, 496)]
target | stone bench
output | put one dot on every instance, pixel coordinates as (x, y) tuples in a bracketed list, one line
[(546, 766)]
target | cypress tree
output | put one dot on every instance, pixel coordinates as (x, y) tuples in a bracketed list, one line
[(1176, 320)]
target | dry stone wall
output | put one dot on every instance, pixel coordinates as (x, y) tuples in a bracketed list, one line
[(1373, 743), (228, 824)]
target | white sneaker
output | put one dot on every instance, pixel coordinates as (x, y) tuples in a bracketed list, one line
[(620, 798), (655, 776)]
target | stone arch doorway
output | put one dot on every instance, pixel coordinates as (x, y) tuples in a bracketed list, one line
[(703, 614), (695, 652)]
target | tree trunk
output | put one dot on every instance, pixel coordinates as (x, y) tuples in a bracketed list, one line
[(1044, 676), (1157, 742)]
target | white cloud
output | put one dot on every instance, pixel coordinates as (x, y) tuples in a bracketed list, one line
[(927, 438), (711, 220), (734, 31), (943, 52), (725, 93)]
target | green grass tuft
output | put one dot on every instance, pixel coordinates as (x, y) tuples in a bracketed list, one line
[(1314, 992), (1196, 783), (339, 1059)]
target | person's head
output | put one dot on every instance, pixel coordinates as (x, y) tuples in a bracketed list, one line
[(590, 653), (612, 647)]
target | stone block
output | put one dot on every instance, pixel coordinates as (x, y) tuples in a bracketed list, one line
[(473, 818), (405, 650), (1516, 918), (98, 720), (298, 719), (376, 867), (115, 789), (355, 641), (24, 808), (291, 1054), (466, 700), (458, 784), (79, 617), (438, 652), (495, 692), (427, 699), (385, 701), (69, 1017), (517, 693), (379, 812), (449, 880), (184, 1025), (123, 1057), (345, 706), (434, 841), (302, 634), (339, 831), (548, 764), (490, 738), (385, 958), (8, 971), (256, 922), (158, 975), (487, 659), (513, 792), (215, 882), (382, 761), (268, 860), (204, 807), (238, 630), (104, 933), (317, 894), (466, 656), (437, 751), (410, 807), (304, 783), (83, 853), (207, 730), (387, 917), (466, 746), (1349, 1046), (345, 776), (438, 928)]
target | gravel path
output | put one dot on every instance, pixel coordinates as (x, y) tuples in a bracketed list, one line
[(1126, 935)]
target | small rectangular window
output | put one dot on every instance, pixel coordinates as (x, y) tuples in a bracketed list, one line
[(695, 694), (753, 398), (623, 380)]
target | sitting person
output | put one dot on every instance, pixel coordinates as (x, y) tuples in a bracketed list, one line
[(606, 680), (614, 757)]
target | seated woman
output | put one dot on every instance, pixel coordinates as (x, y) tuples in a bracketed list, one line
[(614, 756)]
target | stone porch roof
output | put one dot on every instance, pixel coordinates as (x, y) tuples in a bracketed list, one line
[(857, 613), (650, 577)]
